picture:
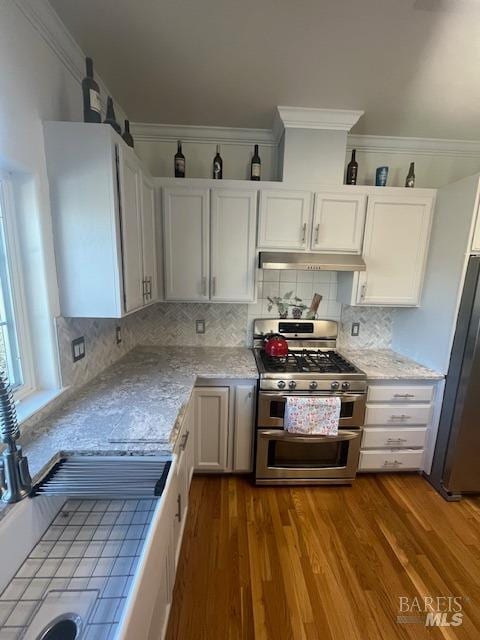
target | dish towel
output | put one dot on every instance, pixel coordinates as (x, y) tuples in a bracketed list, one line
[(312, 415)]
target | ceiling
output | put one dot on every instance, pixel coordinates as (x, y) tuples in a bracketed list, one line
[(411, 65)]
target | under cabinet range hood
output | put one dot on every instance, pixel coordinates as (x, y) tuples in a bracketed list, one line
[(311, 261)]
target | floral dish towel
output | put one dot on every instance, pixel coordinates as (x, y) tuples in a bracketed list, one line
[(312, 415)]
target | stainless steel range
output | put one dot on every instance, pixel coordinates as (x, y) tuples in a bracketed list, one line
[(313, 366)]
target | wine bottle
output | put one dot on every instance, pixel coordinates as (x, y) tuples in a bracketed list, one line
[(127, 136), (352, 169), (92, 106), (410, 180), (255, 165), (110, 117), (179, 162), (218, 165)]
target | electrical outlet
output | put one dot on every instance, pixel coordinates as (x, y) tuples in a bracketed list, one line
[(200, 326), (355, 328), (118, 335), (78, 348)]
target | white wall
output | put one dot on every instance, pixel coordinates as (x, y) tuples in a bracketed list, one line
[(437, 162), (431, 170), (40, 72), (158, 156)]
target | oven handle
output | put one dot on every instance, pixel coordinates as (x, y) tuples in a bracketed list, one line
[(288, 437), (348, 397)]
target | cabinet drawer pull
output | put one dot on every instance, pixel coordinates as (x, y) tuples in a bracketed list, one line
[(317, 233), (184, 440), (178, 515), (363, 291), (392, 463), (396, 440), (304, 232), (214, 285), (404, 395), (401, 417), (204, 286)]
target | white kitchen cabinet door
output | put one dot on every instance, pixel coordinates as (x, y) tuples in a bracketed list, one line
[(186, 224), (149, 240), (244, 427), (284, 219), (395, 249), (233, 229), (211, 428), (131, 229), (338, 222)]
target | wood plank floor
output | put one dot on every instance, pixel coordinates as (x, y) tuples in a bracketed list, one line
[(323, 563)]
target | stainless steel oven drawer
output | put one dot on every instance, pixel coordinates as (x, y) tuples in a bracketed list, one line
[(282, 456)]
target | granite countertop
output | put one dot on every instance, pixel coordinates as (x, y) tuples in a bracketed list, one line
[(385, 364), (134, 406)]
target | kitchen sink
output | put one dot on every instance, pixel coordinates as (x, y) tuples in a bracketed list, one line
[(70, 565)]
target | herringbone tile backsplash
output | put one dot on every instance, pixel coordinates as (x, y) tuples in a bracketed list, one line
[(226, 325)]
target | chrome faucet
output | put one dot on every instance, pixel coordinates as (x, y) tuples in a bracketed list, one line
[(15, 480)]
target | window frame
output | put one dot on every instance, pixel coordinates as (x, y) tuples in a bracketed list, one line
[(17, 289)]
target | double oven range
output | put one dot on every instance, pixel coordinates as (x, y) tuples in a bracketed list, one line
[(312, 367)]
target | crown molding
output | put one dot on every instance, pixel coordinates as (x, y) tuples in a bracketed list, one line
[(418, 146), (45, 21), (145, 132), (311, 118)]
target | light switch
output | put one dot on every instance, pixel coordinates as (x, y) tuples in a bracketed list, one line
[(78, 348), (355, 328), (200, 326)]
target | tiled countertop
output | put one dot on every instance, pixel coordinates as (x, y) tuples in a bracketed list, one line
[(135, 406), (385, 364)]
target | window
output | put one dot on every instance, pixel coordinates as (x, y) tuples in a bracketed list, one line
[(15, 352)]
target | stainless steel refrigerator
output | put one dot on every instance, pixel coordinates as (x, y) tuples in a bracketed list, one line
[(456, 462)]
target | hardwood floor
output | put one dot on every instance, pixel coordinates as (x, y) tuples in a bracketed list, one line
[(325, 563)]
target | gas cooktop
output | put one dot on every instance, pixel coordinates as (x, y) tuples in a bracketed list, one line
[(308, 361), (312, 363)]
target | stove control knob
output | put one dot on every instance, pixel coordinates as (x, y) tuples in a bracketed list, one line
[(281, 384), (335, 385), (292, 384), (345, 386), (313, 385)]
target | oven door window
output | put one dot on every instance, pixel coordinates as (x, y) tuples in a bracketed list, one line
[(303, 455)]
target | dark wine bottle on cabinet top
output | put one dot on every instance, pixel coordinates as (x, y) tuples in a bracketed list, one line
[(352, 169), (218, 165), (127, 136), (110, 117), (255, 165), (179, 163), (410, 180), (92, 107)]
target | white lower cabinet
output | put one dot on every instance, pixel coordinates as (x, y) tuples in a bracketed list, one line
[(211, 428), (397, 423), (224, 418), (244, 417)]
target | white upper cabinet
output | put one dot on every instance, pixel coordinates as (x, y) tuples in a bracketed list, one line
[(233, 228), (99, 207), (338, 222), (284, 219), (186, 225), (395, 249), (131, 227), (150, 240), (209, 242)]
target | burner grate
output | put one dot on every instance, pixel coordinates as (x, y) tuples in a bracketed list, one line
[(307, 361)]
